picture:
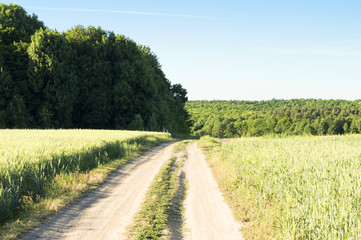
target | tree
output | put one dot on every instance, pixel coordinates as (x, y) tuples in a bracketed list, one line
[(93, 71), (283, 125), (322, 127), (52, 79), (16, 25), (179, 93), (257, 127), (137, 123), (83, 78), (309, 129), (295, 116), (356, 125), (16, 28), (153, 124), (346, 128), (336, 127), (16, 112), (6, 88), (218, 128)]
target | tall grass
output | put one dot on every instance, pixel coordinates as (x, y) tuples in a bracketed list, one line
[(30, 158), (315, 183)]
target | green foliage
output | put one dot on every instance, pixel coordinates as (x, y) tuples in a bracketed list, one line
[(16, 28), (16, 25), (153, 123), (288, 117), (16, 112), (82, 78), (52, 81), (6, 88), (137, 123)]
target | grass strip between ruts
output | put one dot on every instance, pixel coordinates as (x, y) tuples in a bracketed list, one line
[(151, 222)]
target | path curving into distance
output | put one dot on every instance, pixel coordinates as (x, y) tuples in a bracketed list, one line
[(106, 212)]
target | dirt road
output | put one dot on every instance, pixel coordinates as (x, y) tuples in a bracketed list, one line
[(106, 212), (207, 215)]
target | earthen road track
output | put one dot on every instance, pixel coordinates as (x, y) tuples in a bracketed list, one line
[(207, 215), (106, 212)]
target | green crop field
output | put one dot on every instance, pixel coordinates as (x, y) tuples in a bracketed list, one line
[(30, 158), (313, 184)]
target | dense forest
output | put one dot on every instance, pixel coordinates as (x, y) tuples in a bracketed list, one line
[(289, 117), (81, 78)]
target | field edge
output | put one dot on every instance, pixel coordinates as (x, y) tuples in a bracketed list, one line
[(65, 188)]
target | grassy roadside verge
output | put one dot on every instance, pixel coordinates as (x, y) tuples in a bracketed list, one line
[(256, 214), (67, 186), (302, 187), (161, 212)]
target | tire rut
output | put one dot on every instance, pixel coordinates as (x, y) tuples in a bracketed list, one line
[(106, 212)]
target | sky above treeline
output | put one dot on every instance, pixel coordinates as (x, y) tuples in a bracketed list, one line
[(234, 49)]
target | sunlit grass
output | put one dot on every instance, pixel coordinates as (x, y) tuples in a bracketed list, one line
[(30, 159), (311, 183)]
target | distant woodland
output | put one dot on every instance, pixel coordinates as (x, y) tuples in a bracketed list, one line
[(92, 78), (288, 117), (81, 78)]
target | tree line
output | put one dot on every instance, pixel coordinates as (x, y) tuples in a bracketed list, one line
[(288, 117), (81, 78)]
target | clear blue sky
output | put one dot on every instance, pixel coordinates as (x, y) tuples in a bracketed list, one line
[(234, 49)]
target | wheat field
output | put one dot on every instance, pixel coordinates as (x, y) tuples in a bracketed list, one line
[(314, 181), (30, 158)]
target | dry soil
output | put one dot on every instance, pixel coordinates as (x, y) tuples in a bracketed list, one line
[(207, 215), (106, 212)]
